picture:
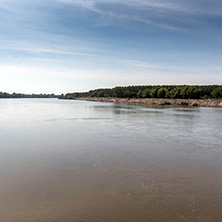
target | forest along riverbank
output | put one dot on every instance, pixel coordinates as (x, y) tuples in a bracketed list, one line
[(155, 101)]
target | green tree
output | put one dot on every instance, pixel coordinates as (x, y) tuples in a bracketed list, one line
[(217, 93), (153, 92), (139, 94), (146, 93), (118, 92), (161, 93)]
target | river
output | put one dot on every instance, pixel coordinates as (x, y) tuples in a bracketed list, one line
[(80, 161)]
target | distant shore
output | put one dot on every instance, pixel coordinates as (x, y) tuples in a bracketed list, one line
[(155, 101)]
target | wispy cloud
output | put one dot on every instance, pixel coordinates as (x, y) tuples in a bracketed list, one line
[(35, 50), (91, 4), (204, 70), (167, 14), (199, 6), (60, 45)]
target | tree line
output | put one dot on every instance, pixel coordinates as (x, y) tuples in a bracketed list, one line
[(21, 95), (153, 91)]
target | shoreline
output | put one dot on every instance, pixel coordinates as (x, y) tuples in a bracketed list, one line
[(156, 101)]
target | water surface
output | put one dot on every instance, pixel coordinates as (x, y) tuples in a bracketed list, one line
[(90, 161)]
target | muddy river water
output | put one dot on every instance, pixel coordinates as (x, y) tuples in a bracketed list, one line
[(78, 161)]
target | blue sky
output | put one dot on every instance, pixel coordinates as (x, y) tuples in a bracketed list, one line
[(59, 46)]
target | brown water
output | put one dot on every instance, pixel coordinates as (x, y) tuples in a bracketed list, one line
[(86, 161)]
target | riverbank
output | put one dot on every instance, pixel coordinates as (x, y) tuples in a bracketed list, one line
[(154, 101)]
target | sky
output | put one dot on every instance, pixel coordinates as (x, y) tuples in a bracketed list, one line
[(60, 46)]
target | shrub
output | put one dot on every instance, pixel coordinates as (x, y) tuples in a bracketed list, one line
[(165, 103), (184, 103)]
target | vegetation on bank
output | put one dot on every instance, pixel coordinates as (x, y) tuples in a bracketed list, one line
[(157, 91), (165, 103), (21, 95)]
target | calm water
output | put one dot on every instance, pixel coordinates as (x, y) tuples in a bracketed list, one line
[(89, 161)]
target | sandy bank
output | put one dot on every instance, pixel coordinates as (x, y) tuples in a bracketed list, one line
[(151, 101)]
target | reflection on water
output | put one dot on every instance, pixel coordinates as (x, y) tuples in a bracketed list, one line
[(90, 161)]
